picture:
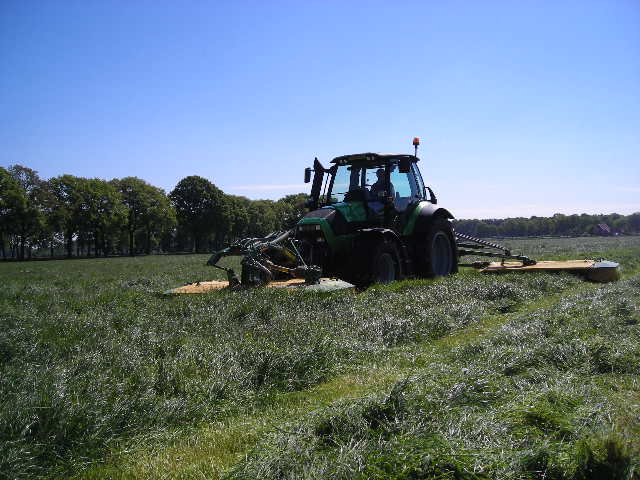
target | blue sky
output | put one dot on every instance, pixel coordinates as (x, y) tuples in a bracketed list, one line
[(523, 108)]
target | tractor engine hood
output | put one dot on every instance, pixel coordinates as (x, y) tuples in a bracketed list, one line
[(337, 216)]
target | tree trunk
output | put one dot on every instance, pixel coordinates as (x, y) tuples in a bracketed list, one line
[(148, 241), (69, 242), (131, 246)]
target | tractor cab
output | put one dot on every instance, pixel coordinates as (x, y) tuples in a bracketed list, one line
[(370, 188)]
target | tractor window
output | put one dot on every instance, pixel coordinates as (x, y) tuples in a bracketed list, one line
[(374, 182), (407, 189), (359, 183), (348, 179), (418, 179)]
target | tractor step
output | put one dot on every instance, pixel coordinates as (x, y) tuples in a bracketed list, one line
[(594, 270)]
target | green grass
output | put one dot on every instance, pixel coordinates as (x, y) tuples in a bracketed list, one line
[(100, 374), (534, 398)]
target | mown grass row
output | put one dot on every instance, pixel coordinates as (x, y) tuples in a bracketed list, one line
[(92, 358), (551, 394)]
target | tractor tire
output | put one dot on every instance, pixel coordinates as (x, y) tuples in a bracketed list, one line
[(437, 251), (378, 262), (253, 277)]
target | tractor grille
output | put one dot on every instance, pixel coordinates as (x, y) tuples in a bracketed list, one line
[(312, 244)]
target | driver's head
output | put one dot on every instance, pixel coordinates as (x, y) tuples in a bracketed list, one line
[(380, 173)]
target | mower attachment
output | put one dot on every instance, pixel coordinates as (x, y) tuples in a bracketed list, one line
[(594, 270), (266, 260)]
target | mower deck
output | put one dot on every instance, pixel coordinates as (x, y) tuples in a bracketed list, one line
[(595, 270)]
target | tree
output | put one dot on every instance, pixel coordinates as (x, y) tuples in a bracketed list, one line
[(101, 213), (65, 208), (91, 210), (198, 204), (51, 227), (159, 218), (239, 208), (12, 203), (28, 219), (147, 207), (486, 229), (262, 218), (291, 208)]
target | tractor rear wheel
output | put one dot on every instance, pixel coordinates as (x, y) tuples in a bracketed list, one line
[(438, 255)]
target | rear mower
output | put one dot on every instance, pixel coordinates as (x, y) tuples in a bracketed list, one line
[(372, 220)]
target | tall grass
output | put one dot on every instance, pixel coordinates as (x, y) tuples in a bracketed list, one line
[(91, 355), (545, 396)]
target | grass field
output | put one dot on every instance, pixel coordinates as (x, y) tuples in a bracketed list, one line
[(510, 376)]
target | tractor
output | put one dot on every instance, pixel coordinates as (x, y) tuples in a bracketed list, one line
[(372, 220)]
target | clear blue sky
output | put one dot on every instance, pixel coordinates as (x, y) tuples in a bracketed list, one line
[(524, 108)]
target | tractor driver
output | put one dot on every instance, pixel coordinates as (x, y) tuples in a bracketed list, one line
[(378, 188)]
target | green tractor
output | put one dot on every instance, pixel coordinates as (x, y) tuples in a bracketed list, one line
[(372, 220)]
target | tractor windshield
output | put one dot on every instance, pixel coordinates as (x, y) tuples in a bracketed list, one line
[(355, 182)]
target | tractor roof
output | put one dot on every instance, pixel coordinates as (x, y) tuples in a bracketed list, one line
[(373, 158)]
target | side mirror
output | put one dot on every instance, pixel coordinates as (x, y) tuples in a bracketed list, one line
[(307, 175), (433, 198), (405, 165)]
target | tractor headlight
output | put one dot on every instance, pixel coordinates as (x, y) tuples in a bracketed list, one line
[(309, 227)]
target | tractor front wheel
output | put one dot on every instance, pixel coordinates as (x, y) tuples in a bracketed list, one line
[(379, 263), (439, 253)]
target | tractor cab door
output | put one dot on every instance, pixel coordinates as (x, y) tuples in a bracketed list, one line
[(408, 192)]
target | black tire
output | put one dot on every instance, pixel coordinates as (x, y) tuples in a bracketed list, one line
[(251, 276), (437, 252), (378, 262)]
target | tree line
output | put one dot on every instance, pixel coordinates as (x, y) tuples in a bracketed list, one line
[(557, 225), (77, 216)]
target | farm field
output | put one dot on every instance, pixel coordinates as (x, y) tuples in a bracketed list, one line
[(511, 376)]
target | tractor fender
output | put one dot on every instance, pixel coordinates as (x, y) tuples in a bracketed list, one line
[(424, 216)]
